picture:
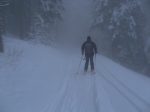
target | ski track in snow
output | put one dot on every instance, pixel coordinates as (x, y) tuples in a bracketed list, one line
[(75, 97), (40, 85), (91, 96)]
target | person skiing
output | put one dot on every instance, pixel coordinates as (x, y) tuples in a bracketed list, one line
[(89, 49)]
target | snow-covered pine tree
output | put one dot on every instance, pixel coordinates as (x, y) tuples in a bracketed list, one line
[(121, 24), (47, 16), (146, 8)]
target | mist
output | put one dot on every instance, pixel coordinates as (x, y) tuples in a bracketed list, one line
[(120, 29), (77, 21), (74, 56)]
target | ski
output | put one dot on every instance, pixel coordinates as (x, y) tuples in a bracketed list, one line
[(91, 73)]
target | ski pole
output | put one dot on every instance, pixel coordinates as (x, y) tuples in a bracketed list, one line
[(79, 64), (95, 60)]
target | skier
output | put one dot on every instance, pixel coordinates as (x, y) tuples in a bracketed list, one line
[(89, 49)]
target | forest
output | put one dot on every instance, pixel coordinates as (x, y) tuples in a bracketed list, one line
[(119, 27)]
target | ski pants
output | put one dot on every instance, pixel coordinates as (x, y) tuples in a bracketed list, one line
[(89, 58)]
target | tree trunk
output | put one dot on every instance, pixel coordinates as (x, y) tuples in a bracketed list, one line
[(1, 44), (1, 30)]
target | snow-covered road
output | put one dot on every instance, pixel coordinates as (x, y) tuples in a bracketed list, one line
[(44, 79)]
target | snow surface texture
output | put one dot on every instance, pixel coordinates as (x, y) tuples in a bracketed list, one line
[(36, 78)]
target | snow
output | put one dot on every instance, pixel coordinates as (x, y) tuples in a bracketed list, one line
[(37, 78)]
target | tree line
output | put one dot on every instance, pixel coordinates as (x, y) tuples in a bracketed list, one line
[(118, 26)]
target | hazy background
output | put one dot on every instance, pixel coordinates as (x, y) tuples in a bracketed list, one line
[(120, 28)]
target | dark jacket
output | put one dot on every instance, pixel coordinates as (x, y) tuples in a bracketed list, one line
[(89, 47)]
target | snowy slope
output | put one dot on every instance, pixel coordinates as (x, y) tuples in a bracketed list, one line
[(36, 78)]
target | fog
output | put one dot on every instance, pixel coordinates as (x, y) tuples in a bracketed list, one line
[(119, 28), (77, 20), (47, 64)]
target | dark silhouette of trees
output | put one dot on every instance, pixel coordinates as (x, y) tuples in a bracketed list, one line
[(121, 23), (3, 5)]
